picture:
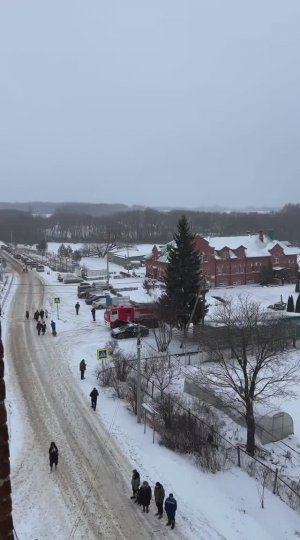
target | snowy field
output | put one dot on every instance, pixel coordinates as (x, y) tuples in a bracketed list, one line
[(210, 507)]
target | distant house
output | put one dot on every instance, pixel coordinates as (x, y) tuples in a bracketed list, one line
[(130, 257), (233, 260)]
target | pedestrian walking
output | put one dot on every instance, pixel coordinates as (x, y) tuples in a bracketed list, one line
[(94, 396), (170, 508), (82, 367), (36, 315), (53, 328), (27, 314), (159, 496), (39, 327), (44, 327), (144, 496), (77, 306), (135, 483), (93, 312), (42, 313), (53, 455), (46, 313)]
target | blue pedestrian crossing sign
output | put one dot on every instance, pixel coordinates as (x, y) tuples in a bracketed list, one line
[(102, 354)]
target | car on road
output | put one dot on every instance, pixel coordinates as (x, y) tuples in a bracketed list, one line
[(129, 330)]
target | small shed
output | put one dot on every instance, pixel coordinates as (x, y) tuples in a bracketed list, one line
[(274, 427)]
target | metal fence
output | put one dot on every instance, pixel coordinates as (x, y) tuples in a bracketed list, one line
[(230, 454)]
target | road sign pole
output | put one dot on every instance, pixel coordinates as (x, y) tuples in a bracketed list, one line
[(138, 380), (57, 311)]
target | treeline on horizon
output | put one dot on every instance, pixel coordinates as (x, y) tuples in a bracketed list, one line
[(145, 225)]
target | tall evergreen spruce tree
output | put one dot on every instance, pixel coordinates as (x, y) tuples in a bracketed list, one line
[(183, 279), (297, 308), (290, 304)]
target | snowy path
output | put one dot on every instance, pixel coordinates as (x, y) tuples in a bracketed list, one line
[(88, 496)]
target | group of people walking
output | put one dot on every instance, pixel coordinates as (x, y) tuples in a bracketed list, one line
[(38, 314), (41, 327), (39, 317), (142, 495)]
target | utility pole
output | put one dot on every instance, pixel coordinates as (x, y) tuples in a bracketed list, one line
[(138, 379), (107, 268)]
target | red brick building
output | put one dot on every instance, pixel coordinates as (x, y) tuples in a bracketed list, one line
[(233, 260)]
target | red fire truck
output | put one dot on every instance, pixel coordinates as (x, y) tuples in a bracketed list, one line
[(115, 316)]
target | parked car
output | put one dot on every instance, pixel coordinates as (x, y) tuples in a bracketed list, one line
[(82, 289), (40, 268), (129, 330), (92, 298), (100, 303), (71, 278), (279, 306), (84, 293)]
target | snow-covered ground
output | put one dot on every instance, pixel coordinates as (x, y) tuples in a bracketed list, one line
[(224, 505), (221, 506)]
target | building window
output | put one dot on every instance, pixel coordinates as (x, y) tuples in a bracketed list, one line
[(276, 260)]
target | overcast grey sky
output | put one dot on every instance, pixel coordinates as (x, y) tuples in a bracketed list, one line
[(160, 102)]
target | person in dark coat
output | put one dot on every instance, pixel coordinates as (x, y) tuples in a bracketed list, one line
[(94, 395), (27, 314), (53, 328), (42, 313), (43, 328), (39, 327), (144, 496), (53, 455), (170, 508), (93, 312), (36, 315), (82, 367), (77, 306), (135, 483), (159, 496)]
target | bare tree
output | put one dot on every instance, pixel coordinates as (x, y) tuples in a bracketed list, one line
[(248, 361), (163, 372), (163, 336), (99, 249)]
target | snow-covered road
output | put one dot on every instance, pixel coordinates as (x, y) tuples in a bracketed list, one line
[(88, 496)]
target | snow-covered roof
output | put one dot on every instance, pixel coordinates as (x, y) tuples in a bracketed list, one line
[(254, 247)]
